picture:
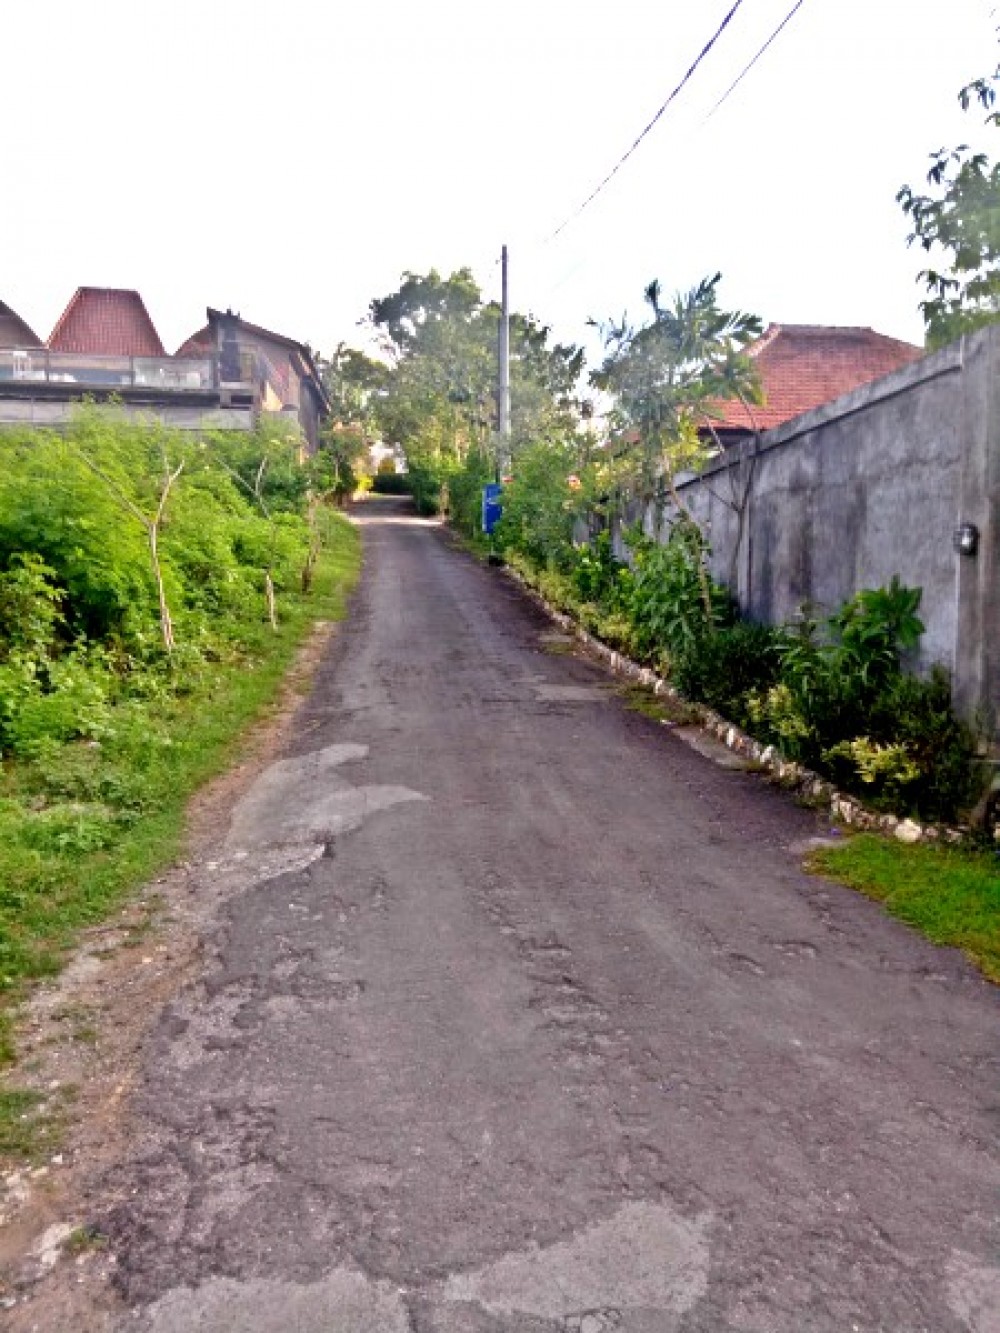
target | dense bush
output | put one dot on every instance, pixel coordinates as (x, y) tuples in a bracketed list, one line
[(104, 733), (671, 589), (916, 715), (832, 694), (539, 509), (724, 669), (600, 577), (392, 483), (465, 492), (427, 487), (81, 621)]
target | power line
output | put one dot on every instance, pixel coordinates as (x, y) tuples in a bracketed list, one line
[(749, 66), (625, 156)]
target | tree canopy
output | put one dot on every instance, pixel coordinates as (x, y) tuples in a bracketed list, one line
[(437, 399), (959, 220), (666, 375)]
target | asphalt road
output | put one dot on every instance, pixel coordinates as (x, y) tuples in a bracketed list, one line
[(526, 1018)]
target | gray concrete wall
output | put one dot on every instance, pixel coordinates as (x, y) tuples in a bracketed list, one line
[(54, 414), (870, 486)]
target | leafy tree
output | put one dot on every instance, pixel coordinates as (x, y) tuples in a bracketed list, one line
[(354, 381), (666, 377), (960, 220), (333, 470), (438, 401), (423, 301)]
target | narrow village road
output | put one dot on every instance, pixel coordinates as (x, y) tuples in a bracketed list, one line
[(528, 1019)]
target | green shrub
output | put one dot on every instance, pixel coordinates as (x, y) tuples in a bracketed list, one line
[(726, 668), (30, 608), (844, 706), (539, 508), (668, 597), (465, 492), (427, 488), (873, 629), (74, 705), (918, 714), (392, 483), (599, 576), (54, 509)]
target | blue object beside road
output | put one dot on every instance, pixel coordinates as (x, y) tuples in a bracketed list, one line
[(492, 507)]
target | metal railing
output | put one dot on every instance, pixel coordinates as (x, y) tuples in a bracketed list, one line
[(171, 374)]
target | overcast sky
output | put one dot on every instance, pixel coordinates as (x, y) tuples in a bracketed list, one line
[(292, 159)]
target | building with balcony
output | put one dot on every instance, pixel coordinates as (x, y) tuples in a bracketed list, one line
[(105, 346)]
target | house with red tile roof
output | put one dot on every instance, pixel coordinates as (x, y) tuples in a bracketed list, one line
[(803, 366), (105, 346), (106, 321)]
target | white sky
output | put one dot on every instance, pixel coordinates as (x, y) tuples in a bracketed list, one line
[(292, 159)]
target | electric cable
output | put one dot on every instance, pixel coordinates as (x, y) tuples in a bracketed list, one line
[(749, 66), (625, 156)]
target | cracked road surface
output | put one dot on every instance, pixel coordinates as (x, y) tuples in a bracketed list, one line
[(525, 1018)]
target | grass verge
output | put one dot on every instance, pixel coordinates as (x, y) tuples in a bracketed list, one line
[(951, 895), (82, 824), (31, 1123), (659, 707)]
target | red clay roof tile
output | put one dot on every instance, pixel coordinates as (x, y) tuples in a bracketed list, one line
[(802, 366), (106, 321)]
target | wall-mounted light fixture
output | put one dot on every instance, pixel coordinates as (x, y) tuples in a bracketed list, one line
[(965, 539)]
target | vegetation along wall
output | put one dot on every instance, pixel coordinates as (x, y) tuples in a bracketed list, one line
[(872, 485)]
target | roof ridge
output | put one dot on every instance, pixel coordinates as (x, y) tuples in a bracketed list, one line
[(765, 339), (835, 328)]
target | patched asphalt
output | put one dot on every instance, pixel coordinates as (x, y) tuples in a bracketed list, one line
[(526, 1018)]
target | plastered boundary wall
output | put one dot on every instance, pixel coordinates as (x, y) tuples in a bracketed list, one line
[(872, 485)]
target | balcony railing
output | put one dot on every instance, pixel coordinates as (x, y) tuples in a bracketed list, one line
[(171, 374)]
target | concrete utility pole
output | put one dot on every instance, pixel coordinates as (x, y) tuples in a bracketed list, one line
[(503, 414)]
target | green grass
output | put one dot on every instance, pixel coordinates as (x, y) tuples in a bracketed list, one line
[(28, 1128), (82, 1240), (659, 707), (951, 895), (81, 825)]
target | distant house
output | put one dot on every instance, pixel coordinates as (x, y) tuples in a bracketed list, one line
[(105, 345), (803, 366), (283, 370)]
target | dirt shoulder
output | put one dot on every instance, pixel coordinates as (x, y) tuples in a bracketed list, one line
[(80, 1037)]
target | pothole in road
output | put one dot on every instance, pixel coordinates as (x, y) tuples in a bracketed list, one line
[(305, 801), (647, 1257), (645, 1260)]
